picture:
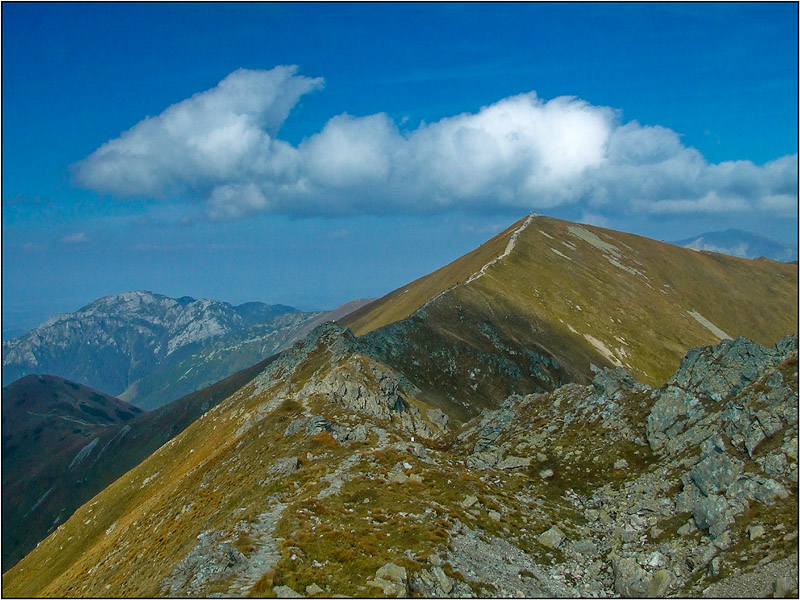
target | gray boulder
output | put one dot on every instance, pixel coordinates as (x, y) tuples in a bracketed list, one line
[(284, 591), (551, 538), (392, 579), (285, 466)]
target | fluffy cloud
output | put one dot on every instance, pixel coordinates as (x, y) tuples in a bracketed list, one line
[(221, 136), (220, 147)]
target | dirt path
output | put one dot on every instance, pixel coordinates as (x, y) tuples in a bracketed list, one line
[(263, 557), (509, 247), (338, 477)]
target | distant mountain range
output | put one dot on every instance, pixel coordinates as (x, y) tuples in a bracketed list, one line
[(736, 242), (149, 349)]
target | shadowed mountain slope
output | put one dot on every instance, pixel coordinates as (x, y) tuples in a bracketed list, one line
[(64, 442)]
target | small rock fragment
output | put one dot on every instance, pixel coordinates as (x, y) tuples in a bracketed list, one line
[(469, 501), (659, 585), (313, 590), (436, 560), (782, 586), (285, 466)]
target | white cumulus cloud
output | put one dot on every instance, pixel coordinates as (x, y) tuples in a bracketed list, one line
[(221, 147)]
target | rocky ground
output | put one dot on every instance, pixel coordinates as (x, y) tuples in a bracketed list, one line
[(329, 475), (612, 489)]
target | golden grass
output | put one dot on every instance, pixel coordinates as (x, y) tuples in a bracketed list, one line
[(149, 519), (402, 302), (535, 286)]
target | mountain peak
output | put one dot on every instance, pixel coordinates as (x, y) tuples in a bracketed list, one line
[(736, 242)]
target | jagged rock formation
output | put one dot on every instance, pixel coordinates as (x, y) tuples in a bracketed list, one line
[(318, 478)]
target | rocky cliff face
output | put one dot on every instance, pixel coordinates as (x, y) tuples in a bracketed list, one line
[(150, 349), (330, 473)]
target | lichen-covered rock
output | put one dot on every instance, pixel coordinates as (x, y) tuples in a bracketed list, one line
[(208, 561), (514, 462), (611, 384), (552, 538), (724, 369), (630, 580), (285, 466), (392, 579), (716, 472), (284, 591), (438, 418)]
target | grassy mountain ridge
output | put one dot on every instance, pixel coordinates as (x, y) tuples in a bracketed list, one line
[(586, 295), (46, 480), (293, 481), (457, 427), (403, 301)]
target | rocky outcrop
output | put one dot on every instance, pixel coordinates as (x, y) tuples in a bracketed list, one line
[(371, 389), (702, 452), (599, 490), (392, 580), (724, 401), (210, 560)]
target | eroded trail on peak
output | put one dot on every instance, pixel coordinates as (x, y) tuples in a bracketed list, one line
[(266, 553), (509, 247), (482, 271)]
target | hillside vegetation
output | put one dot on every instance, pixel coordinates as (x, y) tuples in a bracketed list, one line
[(562, 412), (64, 442), (586, 295), (326, 475)]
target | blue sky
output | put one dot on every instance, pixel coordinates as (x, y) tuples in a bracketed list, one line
[(311, 154)]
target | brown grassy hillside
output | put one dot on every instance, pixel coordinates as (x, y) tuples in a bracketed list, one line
[(584, 294)]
